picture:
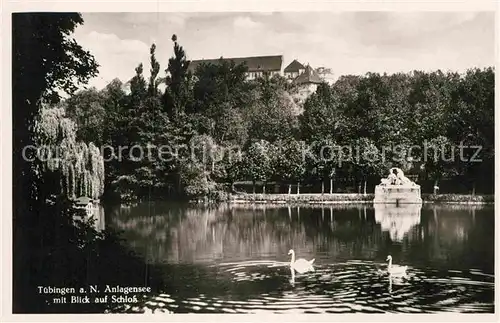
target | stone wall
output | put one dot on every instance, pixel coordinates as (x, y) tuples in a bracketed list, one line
[(302, 198), (351, 198)]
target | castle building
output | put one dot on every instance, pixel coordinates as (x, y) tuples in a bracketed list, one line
[(257, 65), (294, 69), (307, 82), (305, 78)]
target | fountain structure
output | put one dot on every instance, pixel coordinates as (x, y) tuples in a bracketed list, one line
[(397, 189)]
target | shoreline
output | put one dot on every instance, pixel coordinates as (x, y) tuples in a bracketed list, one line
[(349, 198)]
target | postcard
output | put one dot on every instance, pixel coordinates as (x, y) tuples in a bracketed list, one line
[(272, 163)]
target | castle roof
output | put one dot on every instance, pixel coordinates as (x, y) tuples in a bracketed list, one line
[(294, 66), (254, 64), (309, 76)]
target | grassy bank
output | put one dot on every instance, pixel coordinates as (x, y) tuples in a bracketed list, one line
[(458, 198), (352, 198)]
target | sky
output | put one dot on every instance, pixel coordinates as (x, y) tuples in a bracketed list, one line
[(346, 42)]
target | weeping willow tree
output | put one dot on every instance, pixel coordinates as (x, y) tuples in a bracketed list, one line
[(69, 167)]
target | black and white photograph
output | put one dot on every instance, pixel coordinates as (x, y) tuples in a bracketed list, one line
[(252, 162)]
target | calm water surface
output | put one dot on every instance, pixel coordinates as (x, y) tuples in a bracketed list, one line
[(234, 259)]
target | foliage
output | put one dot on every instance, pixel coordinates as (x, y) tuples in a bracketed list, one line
[(195, 181), (221, 95), (257, 161), (288, 162), (273, 116), (45, 58), (439, 158), (46, 63), (78, 167), (321, 118), (353, 130), (178, 80), (87, 110)]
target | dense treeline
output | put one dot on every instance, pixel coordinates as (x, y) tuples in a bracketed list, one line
[(213, 126), (47, 62)]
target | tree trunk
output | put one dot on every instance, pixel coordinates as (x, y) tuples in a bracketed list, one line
[(359, 187), (179, 184), (298, 188), (364, 188), (264, 189), (289, 189), (473, 188), (435, 189), (322, 187), (331, 185)]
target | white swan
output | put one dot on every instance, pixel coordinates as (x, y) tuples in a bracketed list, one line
[(300, 265), (395, 270)]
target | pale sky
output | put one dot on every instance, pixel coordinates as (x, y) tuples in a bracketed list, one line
[(346, 42)]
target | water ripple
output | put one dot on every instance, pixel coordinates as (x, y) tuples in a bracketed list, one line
[(351, 287)]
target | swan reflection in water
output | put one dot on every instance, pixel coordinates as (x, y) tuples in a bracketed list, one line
[(292, 277), (397, 220), (300, 265), (396, 280)]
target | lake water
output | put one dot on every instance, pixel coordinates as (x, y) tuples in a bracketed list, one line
[(235, 259)]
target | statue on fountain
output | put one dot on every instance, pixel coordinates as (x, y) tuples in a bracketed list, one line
[(397, 189), (396, 177)]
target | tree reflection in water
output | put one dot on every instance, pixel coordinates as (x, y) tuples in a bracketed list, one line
[(193, 235), (230, 255), (164, 232)]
